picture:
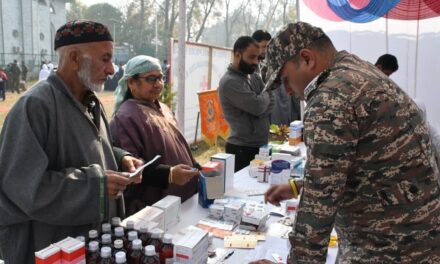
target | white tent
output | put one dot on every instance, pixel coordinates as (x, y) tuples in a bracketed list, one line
[(415, 43)]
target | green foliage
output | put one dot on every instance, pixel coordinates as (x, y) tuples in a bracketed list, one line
[(167, 96), (76, 10), (107, 15), (279, 133), (133, 22)]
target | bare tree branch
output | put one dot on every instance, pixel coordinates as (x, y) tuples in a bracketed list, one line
[(260, 10), (209, 4), (269, 19), (189, 20)]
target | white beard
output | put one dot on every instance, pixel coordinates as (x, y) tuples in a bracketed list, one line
[(86, 79)]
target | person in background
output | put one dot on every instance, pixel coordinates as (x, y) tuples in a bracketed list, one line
[(24, 71), (60, 175), (112, 81), (50, 66), (44, 73), (146, 127), (262, 37), (286, 108), (3, 81), (246, 107), (387, 63), (371, 170), (166, 71), (15, 76)]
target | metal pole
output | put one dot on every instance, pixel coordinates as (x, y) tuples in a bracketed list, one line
[(194, 145), (155, 33), (297, 11), (416, 59), (114, 37), (181, 67), (2, 57), (386, 34)]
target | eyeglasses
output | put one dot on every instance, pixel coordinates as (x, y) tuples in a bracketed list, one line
[(152, 79)]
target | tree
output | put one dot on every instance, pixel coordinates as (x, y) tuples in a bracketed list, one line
[(230, 20), (168, 9), (208, 6), (75, 10), (107, 15), (197, 18), (189, 19), (250, 15), (137, 29)]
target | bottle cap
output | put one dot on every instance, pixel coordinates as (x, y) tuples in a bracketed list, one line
[(106, 239), (167, 238), (106, 252), (137, 244), (297, 123), (119, 231), (130, 225), (120, 257), (93, 246), (80, 238), (116, 221), (156, 233), (150, 251), (132, 235), (118, 244), (93, 234), (144, 229), (106, 228)]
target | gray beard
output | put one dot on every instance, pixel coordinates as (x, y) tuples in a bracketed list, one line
[(86, 79)]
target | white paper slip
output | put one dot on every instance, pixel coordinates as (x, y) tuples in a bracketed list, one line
[(132, 174), (255, 192), (266, 250), (277, 258)]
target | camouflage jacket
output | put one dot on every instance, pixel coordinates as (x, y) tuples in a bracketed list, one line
[(371, 171)]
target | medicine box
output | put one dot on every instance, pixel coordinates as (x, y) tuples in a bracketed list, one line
[(48, 255), (192, 248), (171, 207), (72, 251), (148, 214), (227, 169)]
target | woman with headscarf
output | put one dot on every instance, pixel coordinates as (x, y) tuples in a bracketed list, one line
[(44, 73), (146, 127)]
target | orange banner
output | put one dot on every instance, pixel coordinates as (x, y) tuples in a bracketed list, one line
[(212, 122), (222, 125)]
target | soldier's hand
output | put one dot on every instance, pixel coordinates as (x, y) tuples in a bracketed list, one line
[(261, 261), (278, 193), (116, 183), (181, 174), (130, 164)]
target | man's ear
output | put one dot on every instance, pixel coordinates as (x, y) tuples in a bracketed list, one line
[(237, 55), (308, 57), (75, 57)]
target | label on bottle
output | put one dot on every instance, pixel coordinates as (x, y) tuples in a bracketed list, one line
[(295, 135)]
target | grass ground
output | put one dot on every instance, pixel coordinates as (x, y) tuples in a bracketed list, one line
[(201, 150)]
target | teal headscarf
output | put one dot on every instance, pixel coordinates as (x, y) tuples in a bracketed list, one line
[(138, 64)]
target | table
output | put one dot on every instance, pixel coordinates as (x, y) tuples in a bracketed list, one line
[(192, 212)]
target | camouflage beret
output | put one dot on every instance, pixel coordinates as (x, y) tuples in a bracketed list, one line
[(285, 45), (81, 31)]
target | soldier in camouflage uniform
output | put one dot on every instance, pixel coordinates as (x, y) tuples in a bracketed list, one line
[(371, 171)]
